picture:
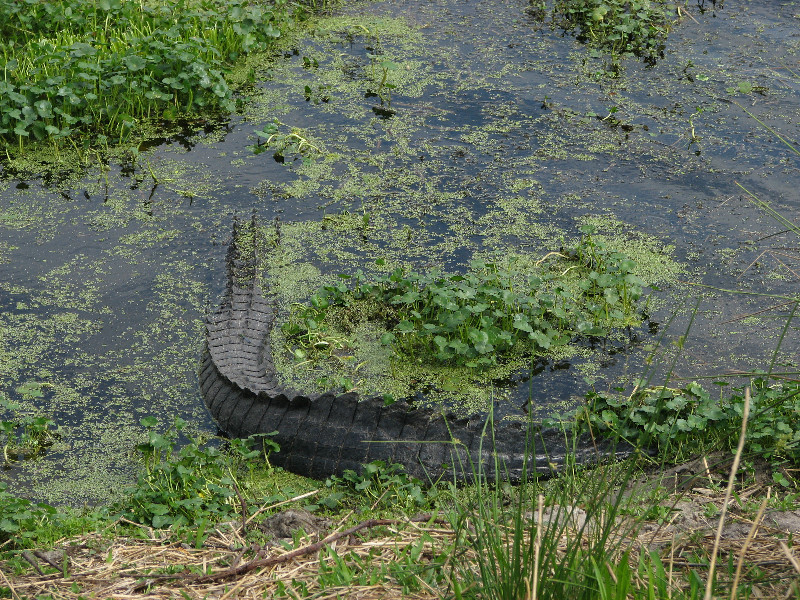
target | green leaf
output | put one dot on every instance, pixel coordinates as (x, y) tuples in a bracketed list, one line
[(162, 521), (134, 63), (405, 326), (8, 526), (459, 347), (30, 390), (521, 323), (158, 509), (541, 339)]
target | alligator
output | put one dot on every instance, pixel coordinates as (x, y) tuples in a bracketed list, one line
[(325, 434)]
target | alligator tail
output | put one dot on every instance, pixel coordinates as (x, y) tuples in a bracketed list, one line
[(325, 434)]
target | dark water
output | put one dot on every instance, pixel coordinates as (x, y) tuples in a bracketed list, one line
[(493, 144)]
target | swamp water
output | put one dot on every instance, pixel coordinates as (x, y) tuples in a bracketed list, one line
[(499, 135)]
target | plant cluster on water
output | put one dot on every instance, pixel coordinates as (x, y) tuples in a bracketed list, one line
[(281, 143), (24, 434), (488, 316), (79, 67), (618, 27)]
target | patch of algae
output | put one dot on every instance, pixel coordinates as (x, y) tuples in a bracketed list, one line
[(653, 258), (107, 316), (5, 248)]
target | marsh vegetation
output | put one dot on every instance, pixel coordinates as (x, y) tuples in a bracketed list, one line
[(93, 72), (530, 178)]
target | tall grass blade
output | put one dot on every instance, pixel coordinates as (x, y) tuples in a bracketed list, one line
[(734, 470)]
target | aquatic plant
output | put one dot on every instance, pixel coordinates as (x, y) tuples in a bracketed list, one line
[(25, 434), (295, 142), (618, 27), (80, 67), (384, 89), (477, 318)]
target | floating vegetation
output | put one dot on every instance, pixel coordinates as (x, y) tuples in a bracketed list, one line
[(618, 27), (24, 434), (491, 316), (76, 67), (295, 142)]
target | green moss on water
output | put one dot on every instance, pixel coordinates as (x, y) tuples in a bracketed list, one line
[(108, 318), (654, 259)]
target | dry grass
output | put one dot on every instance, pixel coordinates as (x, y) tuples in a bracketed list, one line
[(128, 568), (750, 551)]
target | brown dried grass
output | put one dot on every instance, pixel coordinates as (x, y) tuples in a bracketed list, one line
[(155, 567), (751, 548)]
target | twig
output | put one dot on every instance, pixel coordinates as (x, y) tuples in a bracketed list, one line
[(708, 471), (45, 558), (10, 587), (147, 527), (244, 507), (31, 559), (378, 501), (537, 549), (789, 555), (683, 11), (548, 255), (775, 255), (758, 312)]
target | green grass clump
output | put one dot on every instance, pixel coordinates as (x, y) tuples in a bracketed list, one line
[(382, 485), (478, 319), (21, 520), (27, 524), (539, 541), (80, 67), (682, 422)]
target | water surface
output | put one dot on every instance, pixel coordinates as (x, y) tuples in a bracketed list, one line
[(499, 135)]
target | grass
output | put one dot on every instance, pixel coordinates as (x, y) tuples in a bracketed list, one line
[(674, 420), (85, 70)]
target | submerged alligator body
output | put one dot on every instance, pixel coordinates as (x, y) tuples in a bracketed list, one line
[(325, 434)]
